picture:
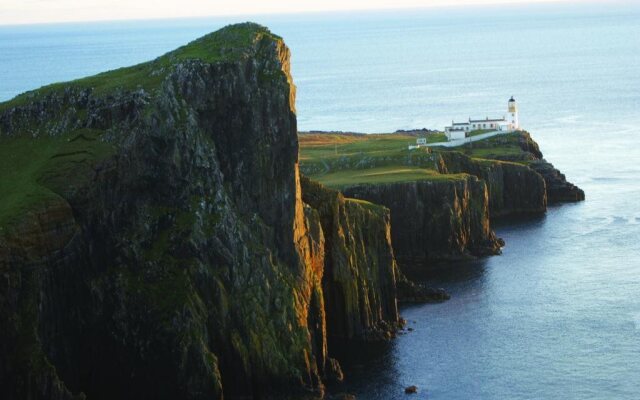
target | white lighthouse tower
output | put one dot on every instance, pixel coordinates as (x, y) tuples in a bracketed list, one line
[(512, 116)]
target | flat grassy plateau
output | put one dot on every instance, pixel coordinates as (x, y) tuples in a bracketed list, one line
[(339, 160)]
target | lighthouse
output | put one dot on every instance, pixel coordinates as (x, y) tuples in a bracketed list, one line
[(508, 123), (512, 116)]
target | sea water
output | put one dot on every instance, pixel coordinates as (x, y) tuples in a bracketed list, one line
[(558, 314)]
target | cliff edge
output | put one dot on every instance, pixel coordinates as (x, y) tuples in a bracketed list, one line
[(154, 242)]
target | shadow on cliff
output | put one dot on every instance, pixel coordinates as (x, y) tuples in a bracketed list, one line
[(365, 363)]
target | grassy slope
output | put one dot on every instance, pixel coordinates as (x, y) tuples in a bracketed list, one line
[(480, 132), (340, 160), (228, 44), (497, 146), (384, 154), (33, 170), (390, 174)]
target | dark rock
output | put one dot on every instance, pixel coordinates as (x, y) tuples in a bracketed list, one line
[(341, 396), (410, 292), (334, 371), (513, 188), (359, 280), (558, 189), (411, 390), (181, 262), (443, 219)]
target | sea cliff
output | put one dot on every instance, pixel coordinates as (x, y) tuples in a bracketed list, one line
[(442, 200), (519, 148), (359, 265), (157, 239), (513, 188), (444, 219), (154, 242)]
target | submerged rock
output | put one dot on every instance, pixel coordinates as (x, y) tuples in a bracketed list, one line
[(411, 390), (411, 292)]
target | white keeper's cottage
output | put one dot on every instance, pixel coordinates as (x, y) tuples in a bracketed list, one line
[(508, 123)]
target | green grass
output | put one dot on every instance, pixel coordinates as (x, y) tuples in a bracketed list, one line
[(228, 44), (376, 208), (329, 152), (332, 145), (35, 170), (479, 132), (21, 161), (342, 179), (341, 160), (494, 152), (506, 145), (336, 145)]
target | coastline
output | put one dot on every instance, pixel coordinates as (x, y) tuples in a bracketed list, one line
[(145, 238)]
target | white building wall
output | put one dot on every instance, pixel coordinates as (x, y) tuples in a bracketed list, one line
[(456, 135), (512, 118)]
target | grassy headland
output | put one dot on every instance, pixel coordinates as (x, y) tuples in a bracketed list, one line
[(228, 44), (343, 159), (38, 160)]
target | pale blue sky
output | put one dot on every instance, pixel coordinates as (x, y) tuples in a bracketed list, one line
[(39, 11)]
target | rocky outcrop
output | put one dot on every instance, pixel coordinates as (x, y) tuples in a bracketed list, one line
[(359, 280), (513, 188), (156, 244), (412, 292), (435, 219), (559, 190)]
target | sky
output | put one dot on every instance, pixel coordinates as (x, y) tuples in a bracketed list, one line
[(49, 11)]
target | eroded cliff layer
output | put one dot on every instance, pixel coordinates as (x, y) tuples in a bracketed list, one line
[(437, 211), (519, 147), (154, 243), (359, 278), (435, 219), (513, 188)]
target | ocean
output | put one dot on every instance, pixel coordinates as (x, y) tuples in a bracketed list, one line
[(558, 314)]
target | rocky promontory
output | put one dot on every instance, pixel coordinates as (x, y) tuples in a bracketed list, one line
[(513, 188), (558, 189), (154, 241), (157, 239), (442, 200)]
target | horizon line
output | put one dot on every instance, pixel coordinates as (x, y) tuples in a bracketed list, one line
[(488, 3)]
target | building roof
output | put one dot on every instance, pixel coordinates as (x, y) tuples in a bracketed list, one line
[(512, 99), (487, 120)]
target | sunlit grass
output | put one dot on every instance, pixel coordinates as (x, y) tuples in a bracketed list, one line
[(393, 174)]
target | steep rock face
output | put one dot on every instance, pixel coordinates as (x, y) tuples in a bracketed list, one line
[(161, 248), (513, 188), (359, 269), (559, 190), (439, 219)]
